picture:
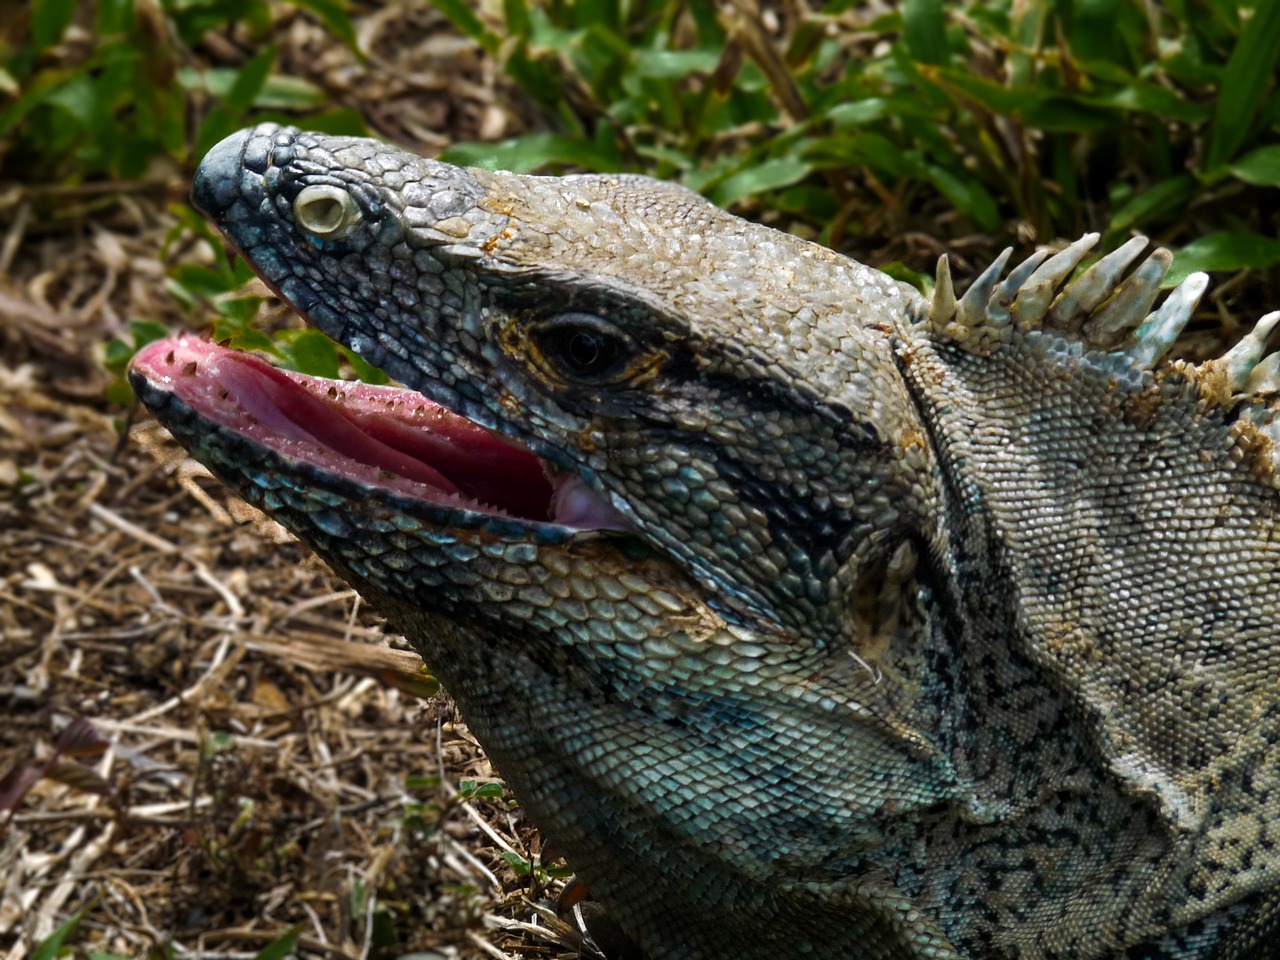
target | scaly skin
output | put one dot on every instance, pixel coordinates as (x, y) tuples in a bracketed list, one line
[(860, 626)]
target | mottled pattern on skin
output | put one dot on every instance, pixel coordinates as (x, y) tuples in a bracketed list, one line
[(939, 630)]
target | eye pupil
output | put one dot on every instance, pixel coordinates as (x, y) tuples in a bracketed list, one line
[(589, 352), (325, 210)]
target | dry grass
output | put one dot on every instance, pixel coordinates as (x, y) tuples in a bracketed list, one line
[(255, 737)]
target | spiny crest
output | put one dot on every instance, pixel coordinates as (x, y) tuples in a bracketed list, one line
[(1099, 308), (1256, 380), (1108, 314)]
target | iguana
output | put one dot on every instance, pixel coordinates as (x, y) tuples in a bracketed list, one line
[(811, 617)]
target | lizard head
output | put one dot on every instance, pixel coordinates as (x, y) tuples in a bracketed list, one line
[(646, 455), (687, 376)]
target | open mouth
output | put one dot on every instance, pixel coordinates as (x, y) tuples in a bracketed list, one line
[(390, 438)]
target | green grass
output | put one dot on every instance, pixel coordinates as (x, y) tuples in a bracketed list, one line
[(135, 94), (1037, 121)]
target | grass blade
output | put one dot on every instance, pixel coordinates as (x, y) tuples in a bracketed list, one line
[(1250, 72), (924, 28)]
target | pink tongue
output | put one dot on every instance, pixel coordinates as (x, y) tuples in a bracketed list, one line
[(281, 405)]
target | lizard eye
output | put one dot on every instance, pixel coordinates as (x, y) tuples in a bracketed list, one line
[(325, 210), (581, 346)]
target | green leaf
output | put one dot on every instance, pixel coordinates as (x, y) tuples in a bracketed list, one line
[(515, 14), (967, 195), (1190, 71), (1249, 75), (340, 121), (900, 271), (239, 310), (250, 80), (1226, 252), (675, 159), (469, 790), (202, 281), (814, 203), (310, 352), (463, 17), (194, 18), (37, 92), (1058, 114), (336, 18), (1153, 203), (1104, 33), (518, 863), (1022, 36), (79, 97), (423, 686), (1158, 101), (147, 331), (535, 151), (115, 16), (867, 148), (290, 93), (116, 352), (244, 338), (1261, 167), (215, 80), (357, 897), (383, 935), (674, 64), (858, 113), (216, 742), (924, 30), (1046, 109), (51, 947), (49, 21), (283, 947), (371, 374), (219, 122), (768, 175)]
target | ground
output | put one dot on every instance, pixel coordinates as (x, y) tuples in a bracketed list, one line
[(230, 743)]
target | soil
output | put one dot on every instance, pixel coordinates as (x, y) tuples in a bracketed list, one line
[(206, 740)]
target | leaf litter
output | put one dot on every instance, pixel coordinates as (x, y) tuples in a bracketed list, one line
[(208, 744)]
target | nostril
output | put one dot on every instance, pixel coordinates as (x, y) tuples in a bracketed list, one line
[(257, 152)]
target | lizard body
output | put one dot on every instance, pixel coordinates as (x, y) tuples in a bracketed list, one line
[(811, 618)]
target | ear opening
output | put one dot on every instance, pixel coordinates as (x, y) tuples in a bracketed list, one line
[(883, 591)]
